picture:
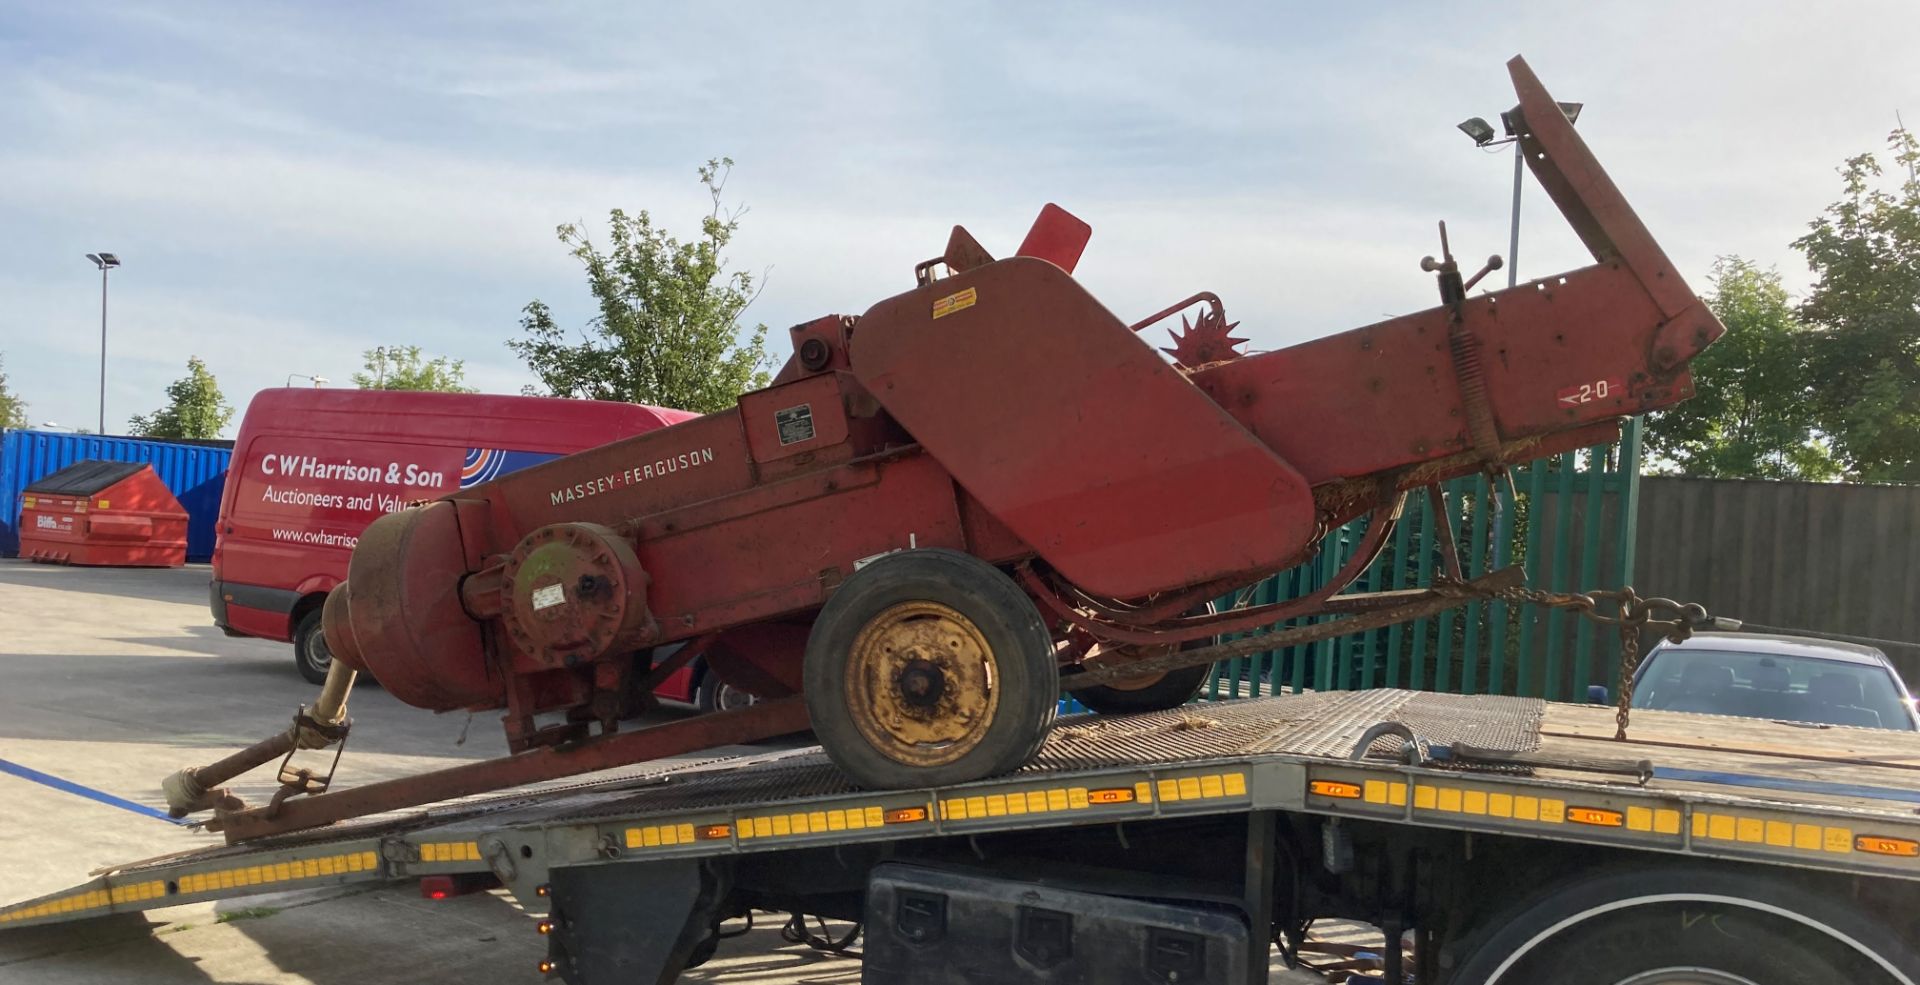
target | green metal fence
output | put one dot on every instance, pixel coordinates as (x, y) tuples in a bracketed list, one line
[(1572, 526)]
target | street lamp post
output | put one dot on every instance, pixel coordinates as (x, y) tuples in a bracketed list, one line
[(1482, 135), (106, 262)]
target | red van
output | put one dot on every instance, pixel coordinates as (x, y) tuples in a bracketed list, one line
[(312, 468)]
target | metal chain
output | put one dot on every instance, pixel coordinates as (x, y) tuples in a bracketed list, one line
[(1633, 614)]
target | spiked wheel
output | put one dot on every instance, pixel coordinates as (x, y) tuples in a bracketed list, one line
[(1209, 339)]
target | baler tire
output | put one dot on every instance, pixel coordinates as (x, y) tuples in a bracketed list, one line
[(310, 655), (1025, 678), (1173, 688)]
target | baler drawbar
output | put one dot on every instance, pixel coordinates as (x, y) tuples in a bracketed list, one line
[(978, 492)]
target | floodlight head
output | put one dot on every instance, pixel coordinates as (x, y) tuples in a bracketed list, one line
[(1479, 130), (1572, 111), (110, 260)]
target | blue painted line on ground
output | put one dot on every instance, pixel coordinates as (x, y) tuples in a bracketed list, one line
[(1789, 783), (78, 790)]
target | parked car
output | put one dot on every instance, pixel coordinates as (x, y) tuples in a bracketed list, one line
[(1784, 678), (312, 468)]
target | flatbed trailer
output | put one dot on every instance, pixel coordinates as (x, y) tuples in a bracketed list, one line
[(1503, 840)]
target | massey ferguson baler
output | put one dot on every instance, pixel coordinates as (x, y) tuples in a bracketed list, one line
[(979, 491)]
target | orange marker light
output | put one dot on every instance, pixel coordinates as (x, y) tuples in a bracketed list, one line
[(546, 967), (544, 927), (1878, 845), (714, 832), (1599, 817), (905, 815), (1335, 788), (1113, 795), (543, 890)]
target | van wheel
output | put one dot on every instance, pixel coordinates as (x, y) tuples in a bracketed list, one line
[(1684, 924), (714, 694), (310, 653)]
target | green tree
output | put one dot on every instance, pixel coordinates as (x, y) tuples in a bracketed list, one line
[(1751, 417), (402, 367), (13, 410), (668, 332), (1865, 306), (195, 408)]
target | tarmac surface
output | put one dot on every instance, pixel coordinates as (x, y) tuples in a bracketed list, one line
[(113, 678)]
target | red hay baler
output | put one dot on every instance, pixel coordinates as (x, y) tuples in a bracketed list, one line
[(979, 491)]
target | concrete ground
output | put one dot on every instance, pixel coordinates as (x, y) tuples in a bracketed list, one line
[(112, 678)]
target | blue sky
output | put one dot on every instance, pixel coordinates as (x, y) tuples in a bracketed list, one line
[(290, 184)]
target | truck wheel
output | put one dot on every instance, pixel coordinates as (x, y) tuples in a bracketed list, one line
[(1154, 693), (929, 667), (1696, 925), (310, 653)]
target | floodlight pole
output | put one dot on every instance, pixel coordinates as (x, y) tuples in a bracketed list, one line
[(1513, 234), (103, 350)]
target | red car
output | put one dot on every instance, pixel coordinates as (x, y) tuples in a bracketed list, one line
[(312, 468)]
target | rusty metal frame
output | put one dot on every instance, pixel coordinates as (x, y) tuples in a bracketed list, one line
[(762, 721), (1116, 625)]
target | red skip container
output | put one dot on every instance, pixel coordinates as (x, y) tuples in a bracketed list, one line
[(103, 513)]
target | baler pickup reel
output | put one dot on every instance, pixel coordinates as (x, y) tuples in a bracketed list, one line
[(978, 492)]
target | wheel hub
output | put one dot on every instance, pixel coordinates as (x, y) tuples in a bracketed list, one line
[(921, 685)]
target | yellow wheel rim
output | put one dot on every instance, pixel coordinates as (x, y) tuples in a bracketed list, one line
[(922, 684)]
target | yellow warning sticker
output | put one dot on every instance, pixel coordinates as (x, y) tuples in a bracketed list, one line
[(29, 502), (955, 302), (103, 505)]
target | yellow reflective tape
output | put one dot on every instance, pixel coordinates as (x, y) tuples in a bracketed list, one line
[(1236, 784), (1779, 834), (1374, 791), (1077, 798), (1666, 821), (1639, 819), (1500, 804), (1806, 837), (1526, 808), (1057, 799), (1751, 830), (1016, 803), (1699, 824), (1450, 799), (782, 825), (1553, 811), (1169, 790), (976, 807), (1837, 840), (1425, 797), (1189, 788), (817, 821), (1212, 786), (1396, 793), (685, 832), (1036, 801), (875, 816), (1475, 802), (997, 805), (763, 827)]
